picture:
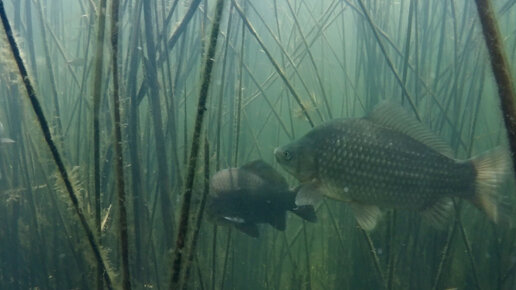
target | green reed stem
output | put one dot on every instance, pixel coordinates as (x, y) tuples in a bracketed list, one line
[(192, 162), (374, 257), (199, 215), (97, 85), (119, 159), (501, 69)]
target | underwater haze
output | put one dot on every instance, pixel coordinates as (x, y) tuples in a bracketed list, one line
[(114, 114)]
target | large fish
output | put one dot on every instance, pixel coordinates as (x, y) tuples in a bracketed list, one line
[(388, 159), (252, 194)]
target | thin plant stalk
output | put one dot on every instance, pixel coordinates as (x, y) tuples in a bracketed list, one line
[(226, 258), (181, 28), (154, 100), (192, 163), (119, 159), (501, 69), (97, 85), (50, 69), (239, 95), (307, 257), (199, 215)]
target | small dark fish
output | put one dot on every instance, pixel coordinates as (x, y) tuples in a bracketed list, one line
[(389, 159), (252, 194), (76, 62), (3, 138)]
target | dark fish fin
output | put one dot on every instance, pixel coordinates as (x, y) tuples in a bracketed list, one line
[(491, 169), (279, 221), (309, 194), (6, 140), (248, 229), (306, 212), (366, 215), (439, 213), (394, 117), (265, 171)]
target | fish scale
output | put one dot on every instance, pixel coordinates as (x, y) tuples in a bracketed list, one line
[(388, 159), (367, 166)]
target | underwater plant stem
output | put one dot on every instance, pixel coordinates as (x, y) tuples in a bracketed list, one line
[(192, 162), (239, 96), (97, 85), (226, 258), (199, 217), (50, 69), (390, 259), (307, 258), (501, 69), (157, 120), (214, 257), (467, 245), (119, 159), (171, 42), (38, 110), (374, 256), (445, 253)]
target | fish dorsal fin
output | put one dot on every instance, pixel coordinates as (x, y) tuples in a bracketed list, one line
[(396, 118), (265, 171), (366, 215), (248, 229)]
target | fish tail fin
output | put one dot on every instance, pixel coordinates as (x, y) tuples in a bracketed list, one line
[(306, 212), (491, 168)]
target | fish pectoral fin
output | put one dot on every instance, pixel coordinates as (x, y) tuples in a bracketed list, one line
[(306, 212), (279, 221), (366, 215), (235, 219), (248, 229), (439, 213), (309, 194)]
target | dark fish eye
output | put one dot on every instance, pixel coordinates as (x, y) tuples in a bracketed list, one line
[(287, 155)]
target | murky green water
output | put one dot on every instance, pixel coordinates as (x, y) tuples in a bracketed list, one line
[(280, 67)]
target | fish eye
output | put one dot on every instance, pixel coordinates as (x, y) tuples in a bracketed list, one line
[(287, 155)]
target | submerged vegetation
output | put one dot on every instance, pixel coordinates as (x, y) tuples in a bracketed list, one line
[(121, 110)]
